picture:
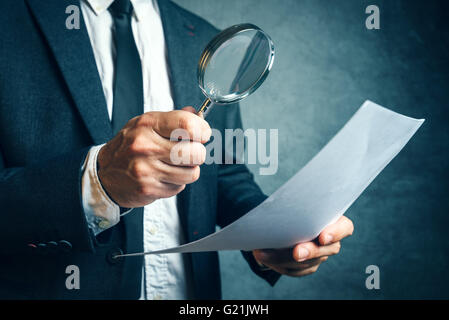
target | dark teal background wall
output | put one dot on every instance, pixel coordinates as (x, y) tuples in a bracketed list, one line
[(327, 64)]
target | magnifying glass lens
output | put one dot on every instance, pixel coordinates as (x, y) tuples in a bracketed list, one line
[(234, 64)]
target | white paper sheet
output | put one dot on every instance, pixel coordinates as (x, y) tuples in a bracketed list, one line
[(320, 192)]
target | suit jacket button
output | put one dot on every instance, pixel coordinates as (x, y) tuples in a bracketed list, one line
[(65, 246), (110, 256)]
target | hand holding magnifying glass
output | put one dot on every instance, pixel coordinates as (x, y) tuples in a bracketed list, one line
[(233, 65)]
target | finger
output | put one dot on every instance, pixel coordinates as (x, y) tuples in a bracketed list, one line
[(186, 153), (153, 188), (182, 153), (295, 265), (260, 257), (189, 109), (182, 124), (301, 273), (285, 258), (177, 175), (336, 231), (169, 189), (273, 257), (145, 142), (309, 250)]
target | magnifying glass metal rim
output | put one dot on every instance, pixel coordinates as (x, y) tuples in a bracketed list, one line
[(215, 43)]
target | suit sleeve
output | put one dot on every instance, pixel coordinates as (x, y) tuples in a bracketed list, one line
[(42, 203), (238, 193)]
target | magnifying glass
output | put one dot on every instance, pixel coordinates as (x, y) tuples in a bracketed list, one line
[(233, 65)]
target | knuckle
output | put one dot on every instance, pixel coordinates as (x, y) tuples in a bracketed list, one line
[(337, 247), (137, 144), (203, 152), (134, 148), (313, 251), (122, 134), (179, 134), (142, 145), (141, 121), (206, 133), (176, 153), (187, 123), (146, 191), (199, 153), (351, 227), (156, 149), (145, 120), (138, 169)]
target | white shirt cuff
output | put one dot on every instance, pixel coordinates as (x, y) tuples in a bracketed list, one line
[(101, 212)]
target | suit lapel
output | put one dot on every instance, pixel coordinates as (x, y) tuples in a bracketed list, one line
[(75, 59), (184, 51)]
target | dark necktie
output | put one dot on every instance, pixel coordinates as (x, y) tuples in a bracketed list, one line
[(128, 83)]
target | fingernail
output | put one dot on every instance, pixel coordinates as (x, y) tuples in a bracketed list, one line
[(328, 238), (302, 253)]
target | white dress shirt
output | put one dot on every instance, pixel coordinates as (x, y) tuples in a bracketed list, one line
[(164, 276)]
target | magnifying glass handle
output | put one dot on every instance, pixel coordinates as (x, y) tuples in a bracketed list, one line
[(205, 107)]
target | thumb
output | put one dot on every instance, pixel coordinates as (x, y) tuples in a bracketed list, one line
[(193, 110), (337, 231)]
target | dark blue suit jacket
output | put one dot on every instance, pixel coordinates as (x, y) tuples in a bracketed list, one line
[(52, 110)]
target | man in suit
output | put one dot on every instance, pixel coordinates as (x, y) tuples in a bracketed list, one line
[(85, 170)]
